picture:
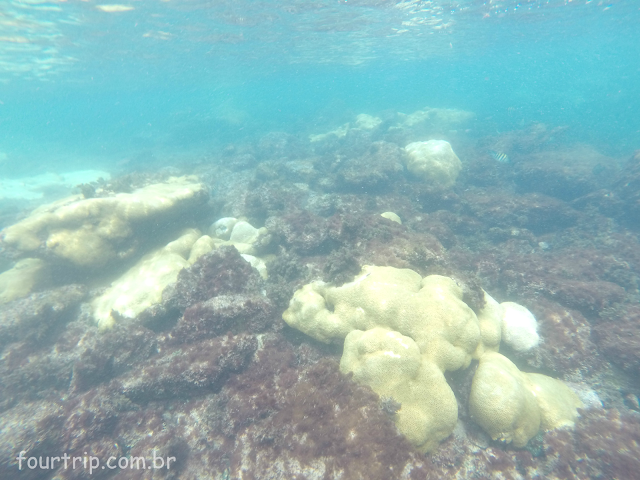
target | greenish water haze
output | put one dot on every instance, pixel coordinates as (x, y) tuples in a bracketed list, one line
[(82, 87)]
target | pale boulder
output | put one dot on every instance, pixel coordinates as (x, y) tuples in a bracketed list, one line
[(434, 161)]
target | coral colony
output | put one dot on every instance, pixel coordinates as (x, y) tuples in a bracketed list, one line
[(378, 301)]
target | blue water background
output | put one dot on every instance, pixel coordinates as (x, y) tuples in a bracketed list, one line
[(83, 88)]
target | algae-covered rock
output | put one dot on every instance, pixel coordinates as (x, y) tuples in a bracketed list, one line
[(434, 117), (368, 122), (377, 169)]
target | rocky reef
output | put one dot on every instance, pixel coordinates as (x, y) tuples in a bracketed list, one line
[(205, 370)]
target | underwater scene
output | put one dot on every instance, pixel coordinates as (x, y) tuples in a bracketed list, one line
[(317, 240)]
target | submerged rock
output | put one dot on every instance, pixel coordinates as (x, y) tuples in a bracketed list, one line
[(37, 315), (565, 174), (536, 212), (221, 272), (619, 340), (183, 372), (376, 170), (627, 187)]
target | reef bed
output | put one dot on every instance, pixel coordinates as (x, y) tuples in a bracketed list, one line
[(206, 371)]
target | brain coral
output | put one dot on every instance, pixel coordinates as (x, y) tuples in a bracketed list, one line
[(429, 310), (391, 364), (402, 332)]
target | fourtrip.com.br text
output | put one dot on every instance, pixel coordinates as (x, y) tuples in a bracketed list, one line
[(91, 463)]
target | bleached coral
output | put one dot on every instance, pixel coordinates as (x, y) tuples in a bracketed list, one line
[(92, 232)]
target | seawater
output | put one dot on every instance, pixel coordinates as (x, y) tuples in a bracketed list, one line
[(89, 85), (235, 92)]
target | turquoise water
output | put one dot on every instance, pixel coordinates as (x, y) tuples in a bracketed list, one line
[(84, 86), (191, 131)]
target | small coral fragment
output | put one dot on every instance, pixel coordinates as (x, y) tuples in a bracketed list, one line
[(391, 216)]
